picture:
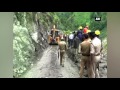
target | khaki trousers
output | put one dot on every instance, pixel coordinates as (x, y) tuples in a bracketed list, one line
[(94, 65), (84, 62), (62, 57)]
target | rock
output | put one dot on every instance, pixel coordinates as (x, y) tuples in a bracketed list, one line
[(103, 65)]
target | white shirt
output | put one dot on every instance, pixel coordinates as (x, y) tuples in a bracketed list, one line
[(96, 47), (71, 36)]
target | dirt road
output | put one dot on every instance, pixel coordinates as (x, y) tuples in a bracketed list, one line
[(48, 66)]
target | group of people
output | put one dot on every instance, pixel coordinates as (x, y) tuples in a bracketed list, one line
[(86, 43)]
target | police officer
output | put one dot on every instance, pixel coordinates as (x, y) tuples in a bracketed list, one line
[(85, 51), (62, 48), (95, 51)]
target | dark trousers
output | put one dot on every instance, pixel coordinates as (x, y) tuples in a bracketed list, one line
[(70, 42)]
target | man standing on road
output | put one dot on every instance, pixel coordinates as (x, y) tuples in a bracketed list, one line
[(62, 48), (76, 43), (95, 51), (85, 51)]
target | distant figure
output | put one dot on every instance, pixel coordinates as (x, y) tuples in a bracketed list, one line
[(76, 42), (71, 37), (80, 36), (65, 37), (62, 48), (67, 40), (85, 30)]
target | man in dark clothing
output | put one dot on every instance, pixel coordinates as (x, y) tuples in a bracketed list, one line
[(76, 42), (71, 37), (80, 35)]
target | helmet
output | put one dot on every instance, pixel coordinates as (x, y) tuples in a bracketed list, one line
[(88, 31), (97, 32), (85, 30), (80, 27)]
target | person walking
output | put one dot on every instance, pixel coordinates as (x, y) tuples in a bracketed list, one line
[(62, 47)]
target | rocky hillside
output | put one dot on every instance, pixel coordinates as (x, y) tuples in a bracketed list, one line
[(30, 38)]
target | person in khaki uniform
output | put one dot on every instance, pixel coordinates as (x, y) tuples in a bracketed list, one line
[(62, 48), (95, 51), (85, 51)]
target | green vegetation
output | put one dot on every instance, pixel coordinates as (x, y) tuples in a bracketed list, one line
[(22, 45), (27, 23)]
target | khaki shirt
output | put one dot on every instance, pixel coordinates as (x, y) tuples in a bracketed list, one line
[(62, 46), (89, 40), (85, 47)]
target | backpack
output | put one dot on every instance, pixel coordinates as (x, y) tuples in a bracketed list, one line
[(76, 42)]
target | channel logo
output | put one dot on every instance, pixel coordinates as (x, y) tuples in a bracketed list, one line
[(97, 18)]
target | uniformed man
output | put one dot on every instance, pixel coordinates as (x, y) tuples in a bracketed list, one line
[(62, 48), (97, 32), (95, 51), (85, 51)]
